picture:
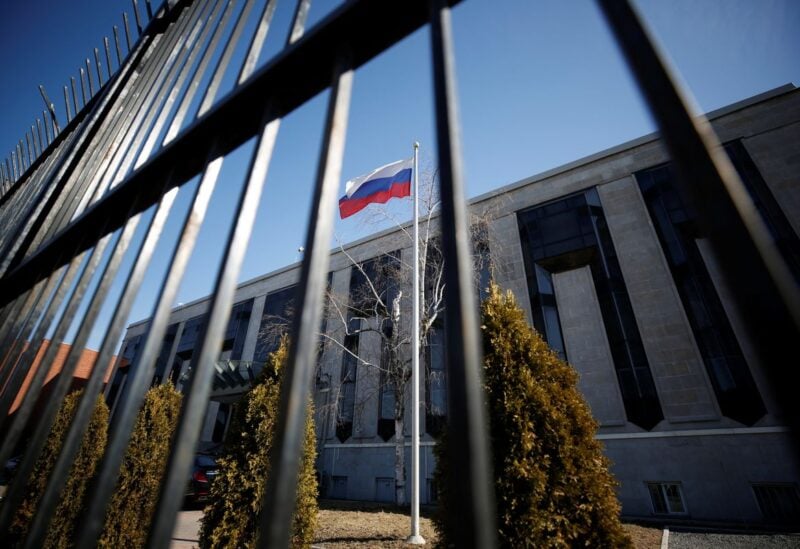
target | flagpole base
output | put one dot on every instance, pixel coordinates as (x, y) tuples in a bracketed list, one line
[(415, 540)]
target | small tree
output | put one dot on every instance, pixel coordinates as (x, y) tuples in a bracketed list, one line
[(134, 500), (231, 519), (552, 484), (378, 305), (61, 531)]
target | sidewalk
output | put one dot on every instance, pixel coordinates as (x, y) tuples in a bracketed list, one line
[(187, 527)]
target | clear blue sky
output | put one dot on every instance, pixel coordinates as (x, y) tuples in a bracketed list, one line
[(541, 84)]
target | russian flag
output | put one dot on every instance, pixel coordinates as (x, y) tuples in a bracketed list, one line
[(377, 187)]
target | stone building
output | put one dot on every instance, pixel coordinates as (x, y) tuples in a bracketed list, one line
[(608, 264)]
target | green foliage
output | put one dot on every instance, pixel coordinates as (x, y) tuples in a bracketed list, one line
[(134, 500), (552, 484), (231, 520), (61, 531)]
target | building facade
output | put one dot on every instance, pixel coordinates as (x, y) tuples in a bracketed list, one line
[(610, 266)]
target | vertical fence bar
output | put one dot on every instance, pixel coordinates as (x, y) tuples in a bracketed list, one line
[(26, 409), (136, 17), (89, 77), (182, 110), (51, 109), (470, 480), (125, 415), (764, 290), (57, 288), (125, 133), (257, 41), (117, 46), (21, 158), (31, 150), (47, 131), (29, 153), (15, 327), (99, 68), (108, 57), (219, 72), (162, 84), (64, 382), (36, 149), (41, 208), (66, 105), (41, 135), (74, 95), (83, 413), (201, 378), (127, 30), (279, 499), (199, 70), (83, 88)]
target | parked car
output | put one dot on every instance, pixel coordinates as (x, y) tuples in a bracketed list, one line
[(204, 471), (6, 474)]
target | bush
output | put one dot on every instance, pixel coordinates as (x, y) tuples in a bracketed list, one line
[(552, 484), (133, 503), (61, 530), (231, 520)]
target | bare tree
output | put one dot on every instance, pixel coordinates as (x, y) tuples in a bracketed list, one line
[(380, 302), (378, 307)]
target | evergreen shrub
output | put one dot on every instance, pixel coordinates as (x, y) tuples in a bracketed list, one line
[(61, 532), (552, 483), (231, 519), (133, 502)]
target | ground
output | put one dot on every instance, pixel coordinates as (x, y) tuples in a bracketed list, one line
[(345, 524)]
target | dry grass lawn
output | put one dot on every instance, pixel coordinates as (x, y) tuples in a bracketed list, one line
[(345, 524)]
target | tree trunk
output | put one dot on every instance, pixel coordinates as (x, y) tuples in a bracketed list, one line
[(399, 462)]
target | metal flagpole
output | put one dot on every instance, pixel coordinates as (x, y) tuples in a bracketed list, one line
[(415, 537)]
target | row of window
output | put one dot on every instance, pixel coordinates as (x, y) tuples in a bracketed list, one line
[(571, 232), (779, 503)]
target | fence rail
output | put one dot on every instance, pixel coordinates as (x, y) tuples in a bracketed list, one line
[(72, 198)]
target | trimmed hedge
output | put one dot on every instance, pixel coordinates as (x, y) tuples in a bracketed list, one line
[(134, 500), (552, 484), (231, 519), (61, 531)]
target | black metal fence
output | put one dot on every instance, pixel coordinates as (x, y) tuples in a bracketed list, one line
[(71, 199)]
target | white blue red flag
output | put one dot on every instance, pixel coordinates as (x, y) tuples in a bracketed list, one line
[(377, 187)]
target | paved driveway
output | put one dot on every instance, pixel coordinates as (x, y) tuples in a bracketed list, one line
[(184, 536), (695, 540)]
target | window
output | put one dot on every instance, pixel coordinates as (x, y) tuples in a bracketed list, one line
[(163, 355), (778, 225), (190, 338), (436, 393), (338, 488), (779, 503), (667, 498), (567, 234), (386, 412), (433, 491), (130, 352), (278, 312), (384, 489), (221, 422), (379, 275), (236, 332), (347, 388), (677, 232)]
